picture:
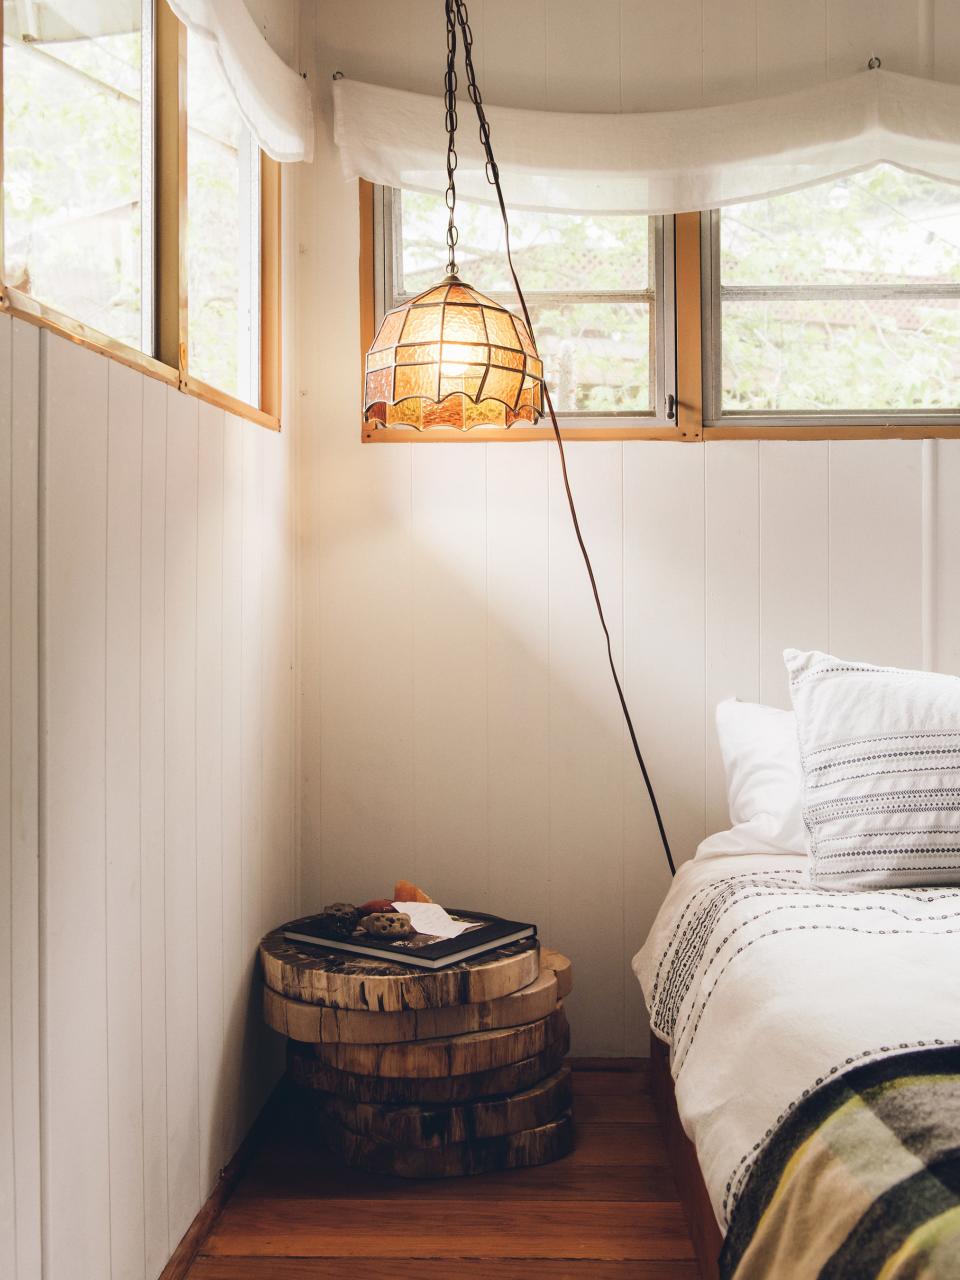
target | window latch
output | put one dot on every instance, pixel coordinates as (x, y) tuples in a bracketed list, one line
[(671, 407)]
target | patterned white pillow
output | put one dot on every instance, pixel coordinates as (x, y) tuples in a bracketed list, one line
[(880, 749)]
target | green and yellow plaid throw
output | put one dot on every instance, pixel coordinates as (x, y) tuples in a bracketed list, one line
[(860, 1182)]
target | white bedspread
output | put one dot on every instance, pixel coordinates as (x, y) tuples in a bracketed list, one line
[(763, 986)]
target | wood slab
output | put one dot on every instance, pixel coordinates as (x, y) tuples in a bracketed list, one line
[(319, 1024), (306, 1069), (529, 1147), (439, 1127), (451, 1055), (343, 981), (561, 968)]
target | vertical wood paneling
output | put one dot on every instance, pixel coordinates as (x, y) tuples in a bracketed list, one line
[(152, 822), (944, 57), (180, 814), (24, 835), (586, 743), (664, 637), (76, 1206), (732, 594), (450, 672), (655, 36), (875, 551), (583, 55), (946, 547), (279, 879), (366, 640), (514, 55), (858, 29), (518, 696), (123, 896), (663, 605), (209, 722), (794, 557), (730, 67), (251, 703), (8, 1173), (234, 996), (791, 44)]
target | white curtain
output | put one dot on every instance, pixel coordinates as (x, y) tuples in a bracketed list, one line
[(273, 99), (656, 162)]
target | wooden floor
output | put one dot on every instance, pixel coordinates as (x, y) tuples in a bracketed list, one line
[(607, 1212)]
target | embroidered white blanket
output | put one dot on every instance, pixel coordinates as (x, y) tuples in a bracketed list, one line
[(764, 986)]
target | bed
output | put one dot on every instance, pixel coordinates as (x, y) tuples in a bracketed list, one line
[(787, 1012)]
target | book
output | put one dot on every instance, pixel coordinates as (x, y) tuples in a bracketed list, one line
[(423, 950)]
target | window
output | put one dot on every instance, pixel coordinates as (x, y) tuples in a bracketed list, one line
[(78, 166), (223, 232), (837, 303), (596, 285), (138, 213)]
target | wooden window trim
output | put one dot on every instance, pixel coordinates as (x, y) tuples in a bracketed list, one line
[(691, 372), (170, 271)]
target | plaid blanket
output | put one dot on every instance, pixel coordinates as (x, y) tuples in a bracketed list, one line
[(861, 1181)]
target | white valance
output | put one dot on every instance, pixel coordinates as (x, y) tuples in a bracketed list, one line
[(273, 100), (656, 162)]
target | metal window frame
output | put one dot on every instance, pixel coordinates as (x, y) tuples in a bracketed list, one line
[(714, 294), (388, 250)]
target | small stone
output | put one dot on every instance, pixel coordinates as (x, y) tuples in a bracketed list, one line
[(388, 924), (340, 917)]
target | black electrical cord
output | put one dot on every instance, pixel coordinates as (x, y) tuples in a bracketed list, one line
[(493, 177)]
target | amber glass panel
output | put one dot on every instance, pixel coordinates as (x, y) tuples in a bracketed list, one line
[(379, 386), (456, 353), (503, 385), (419, 353), (506, 359), (422, 324), (463, 324), (416, 380), (379, 360), (500, 327), (389, 330)]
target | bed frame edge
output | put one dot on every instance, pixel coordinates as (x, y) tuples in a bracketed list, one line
[(706, 1236)]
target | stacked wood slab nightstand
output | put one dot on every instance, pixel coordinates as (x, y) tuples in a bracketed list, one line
[(427, 1073)]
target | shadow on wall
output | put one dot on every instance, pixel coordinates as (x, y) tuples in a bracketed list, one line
[(460, 724)]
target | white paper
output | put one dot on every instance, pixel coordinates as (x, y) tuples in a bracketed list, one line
[(430, 917)]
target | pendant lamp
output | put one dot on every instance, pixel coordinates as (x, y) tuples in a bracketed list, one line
[(451, 357)]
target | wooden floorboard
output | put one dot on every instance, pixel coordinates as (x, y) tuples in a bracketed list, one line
[(609, 1211)]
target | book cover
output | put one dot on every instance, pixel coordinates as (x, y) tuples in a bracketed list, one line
[(423, 950)]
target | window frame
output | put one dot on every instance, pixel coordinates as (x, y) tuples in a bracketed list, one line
[(713, 294), (169, 362), (694, 303), (381, 246)]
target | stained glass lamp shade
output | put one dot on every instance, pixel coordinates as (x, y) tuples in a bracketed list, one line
[(452, 358)]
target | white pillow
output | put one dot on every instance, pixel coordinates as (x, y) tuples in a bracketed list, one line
[(880, 749), (761, 760)]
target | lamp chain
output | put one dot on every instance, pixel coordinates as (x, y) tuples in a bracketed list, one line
[(493, 177), (450, 101)]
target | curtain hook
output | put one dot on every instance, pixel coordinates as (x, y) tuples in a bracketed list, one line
[(337, 75), (874, 64)]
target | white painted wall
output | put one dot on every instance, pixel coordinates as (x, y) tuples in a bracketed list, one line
[(167, 799), (147, 794), (19, 809), (147, 798), (458, 724)]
